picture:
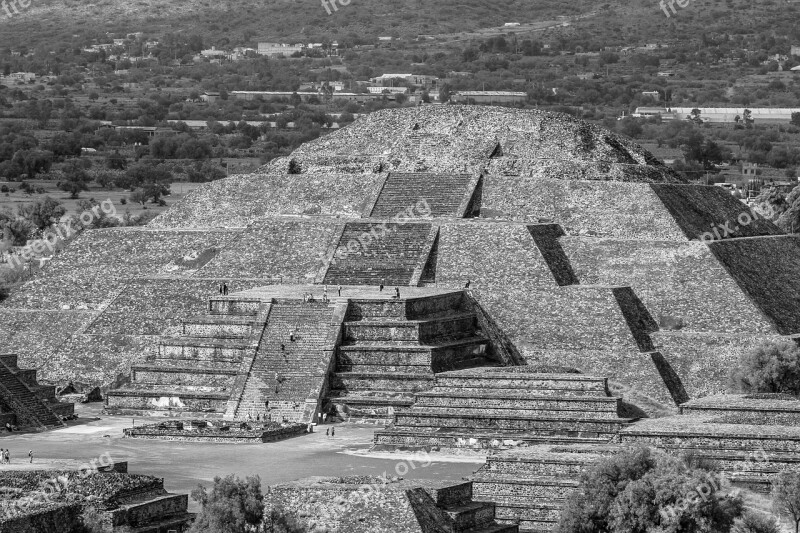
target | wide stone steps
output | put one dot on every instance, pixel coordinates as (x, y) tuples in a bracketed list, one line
[(500, 402), (151, 390), (293, 358), (444, 193), (390, 258), (521, 490)]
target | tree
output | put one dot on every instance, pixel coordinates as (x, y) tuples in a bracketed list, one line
[(796, 119), (232, 506), (643, 491), (444, 93), (786, 496), (770, 367), (138, 197), (43, 213), (76, 180), (116, 161)]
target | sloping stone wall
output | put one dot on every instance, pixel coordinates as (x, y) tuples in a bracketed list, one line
[(288, 250), (682, 284), (241, 200), (490, 254), (598, 208)]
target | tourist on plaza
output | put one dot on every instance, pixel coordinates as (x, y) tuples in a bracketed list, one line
[(380, 289), (333, 432), (467, 285), (30, 454), (340, 290), (2, 455), (8, 457), (328, 432), (397, 292), (220, 288)]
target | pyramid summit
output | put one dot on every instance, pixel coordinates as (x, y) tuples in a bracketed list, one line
[(577, 248)]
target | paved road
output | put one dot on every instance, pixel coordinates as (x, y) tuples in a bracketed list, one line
[(184, 465)]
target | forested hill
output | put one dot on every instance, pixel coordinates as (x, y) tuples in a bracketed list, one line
[(62, 23)]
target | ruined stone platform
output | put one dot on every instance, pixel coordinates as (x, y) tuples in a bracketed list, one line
[(205, 431)]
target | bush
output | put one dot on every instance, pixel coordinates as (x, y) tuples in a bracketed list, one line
[(753, 522), (786, 496), (232, 506), (770, 367), (644, 491)]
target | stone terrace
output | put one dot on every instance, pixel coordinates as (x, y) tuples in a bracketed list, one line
[(491, 408), (750, 438)]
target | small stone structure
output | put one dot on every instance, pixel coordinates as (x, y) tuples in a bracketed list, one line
[(51, 501), (205, 431), (26, 404), (368, 504)]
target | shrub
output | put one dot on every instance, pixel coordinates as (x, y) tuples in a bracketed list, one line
[(753, 522), (770, 367), (645, 491)]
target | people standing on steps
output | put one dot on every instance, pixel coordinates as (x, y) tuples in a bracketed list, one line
[(30, 454), (224, 289), (340, 290), (220, 289), (397, 292), (333, 432)]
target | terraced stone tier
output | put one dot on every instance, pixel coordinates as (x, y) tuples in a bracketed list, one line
[(741, 408), (452, 327), (233, 306), (219, 327), (198, 349), (209, 377), (501, 402), (500, 420), (377, 356), (543, 384), (165, 400), (433, 439), (399, 382), (414, 308)]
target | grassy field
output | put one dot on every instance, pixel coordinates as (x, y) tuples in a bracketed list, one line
[(15, 199)]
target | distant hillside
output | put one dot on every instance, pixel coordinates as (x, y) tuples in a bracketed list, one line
[(49, 22), (235, 22)]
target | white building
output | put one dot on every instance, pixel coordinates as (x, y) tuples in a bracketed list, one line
[(278, 49)]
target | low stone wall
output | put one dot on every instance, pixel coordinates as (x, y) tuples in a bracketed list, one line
[(61, 519)]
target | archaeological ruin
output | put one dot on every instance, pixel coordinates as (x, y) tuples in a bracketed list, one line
[(515, 283)]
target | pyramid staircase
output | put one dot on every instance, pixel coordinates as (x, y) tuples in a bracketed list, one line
[(25, 403), (529, 486), (292, 361), (392, 348), (195, 373), (492, 408), (390, 258), (443, 193)]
